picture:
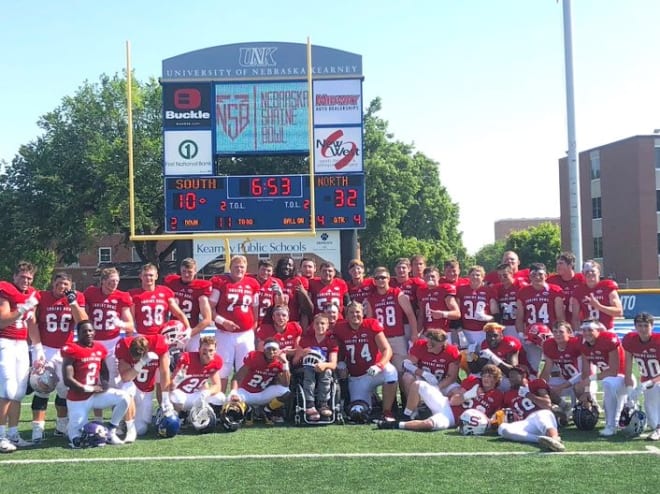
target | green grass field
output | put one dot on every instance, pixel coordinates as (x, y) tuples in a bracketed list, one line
[(334, 458)]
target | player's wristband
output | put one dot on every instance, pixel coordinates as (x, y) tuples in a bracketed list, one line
[(285, 367), (220, 320), (88, 389), (165, 399)]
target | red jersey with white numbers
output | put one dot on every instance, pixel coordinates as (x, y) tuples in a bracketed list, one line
[(360, 292), (387, 310), (567, 287), (102, 309), (487, 402), (410, 287), (54, 319), (287, 338), (435, 363), (237, 300), (539, 305), (434, 298), (18, 329), (87, 362), (566, 360), (196, 373), (645, 353), (146, 379), (152, 308), (323, 295), (599, 353), (602, 292), (523, 406), (261, 372), (506, 300), (472, 301), (291, 289), (187, 295), (359, 345), (267, 297)]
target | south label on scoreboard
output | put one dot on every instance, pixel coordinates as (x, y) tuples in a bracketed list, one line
[(263, 203)]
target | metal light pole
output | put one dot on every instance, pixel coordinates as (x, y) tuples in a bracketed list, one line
[(573, 164)]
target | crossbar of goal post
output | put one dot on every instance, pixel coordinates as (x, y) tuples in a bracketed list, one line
[(224, 236)]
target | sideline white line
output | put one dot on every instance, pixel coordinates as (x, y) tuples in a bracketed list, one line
[(316, 456)]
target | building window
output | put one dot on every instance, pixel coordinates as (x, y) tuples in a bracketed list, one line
[(596, 209), (598, 247), (659, 244), (657, 200), (105, 254), (594, 158), (657, 157)]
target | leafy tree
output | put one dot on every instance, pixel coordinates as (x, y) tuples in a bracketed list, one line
[(408, 210), (536, 244), (490, 255)]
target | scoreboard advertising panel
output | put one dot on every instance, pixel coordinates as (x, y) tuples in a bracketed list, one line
[(227, 101)]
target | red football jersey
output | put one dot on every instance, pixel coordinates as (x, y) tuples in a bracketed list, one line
[(388, 312), (457, 283), (87, 363), (493, 277), (196, 373), (471, 302), (360, 292), (286, 338), (237, 300), (487, 402), (566, 360), (567, 287), (436, 363), (328, 343), (539, 305), (507, 347), (102, 309), (506, 300), (187, 295), (291, 289), (18, 329), (267, 297), (598, 354), (332, 293), (646, 354), (523, 406), (410, 287), (434, 298), (602, 292), (261, 373), (152, 309), (146, 379), (55, 320), (359, 345)]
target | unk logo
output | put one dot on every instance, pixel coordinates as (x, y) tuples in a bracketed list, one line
[(233, 113), (257, 57)]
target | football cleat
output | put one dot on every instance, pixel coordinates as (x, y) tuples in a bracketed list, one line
[(112, 437), (654, 436), (38, 433), (387, 424), (607, 432), (6, 446), (552, 444), (19, 442)]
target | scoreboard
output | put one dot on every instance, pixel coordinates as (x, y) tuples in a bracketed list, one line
[(263, 203)]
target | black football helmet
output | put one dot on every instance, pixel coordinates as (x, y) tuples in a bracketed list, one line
[(585, 416), (359, 412), (232, 415)]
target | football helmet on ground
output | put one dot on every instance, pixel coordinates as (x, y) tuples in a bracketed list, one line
[(167, 424), (359, 412), (472, 422), (585, 416), (232, 415), (94, 435), (632, 421), (202, 417)]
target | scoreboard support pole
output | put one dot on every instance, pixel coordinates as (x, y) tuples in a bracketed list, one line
[(348, 250)]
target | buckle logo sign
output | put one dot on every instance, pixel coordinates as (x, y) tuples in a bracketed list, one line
[(187, 106), (338, 149), (187, 99)]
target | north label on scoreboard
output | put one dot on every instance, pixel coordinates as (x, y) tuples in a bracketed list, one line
[(263, 203)]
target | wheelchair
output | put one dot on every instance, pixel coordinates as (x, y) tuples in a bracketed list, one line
[(299, 407)]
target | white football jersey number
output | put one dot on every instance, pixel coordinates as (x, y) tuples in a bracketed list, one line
[(365, 353), (52, 324)]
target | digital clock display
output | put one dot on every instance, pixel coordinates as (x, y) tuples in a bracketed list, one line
[(263, 203)]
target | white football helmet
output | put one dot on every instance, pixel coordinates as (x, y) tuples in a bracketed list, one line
[(176, 334), (202, 417), (473, 423), (43, 378), (314, 357)]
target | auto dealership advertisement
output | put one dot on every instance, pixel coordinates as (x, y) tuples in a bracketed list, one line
[(338, 102)]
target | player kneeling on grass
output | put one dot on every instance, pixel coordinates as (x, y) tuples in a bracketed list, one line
[(140, 359), (263, 380), (86, 375), (196, 382), (531, 406), (474, 393)]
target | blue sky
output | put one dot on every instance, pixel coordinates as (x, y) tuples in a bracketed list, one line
[(476, 85)]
